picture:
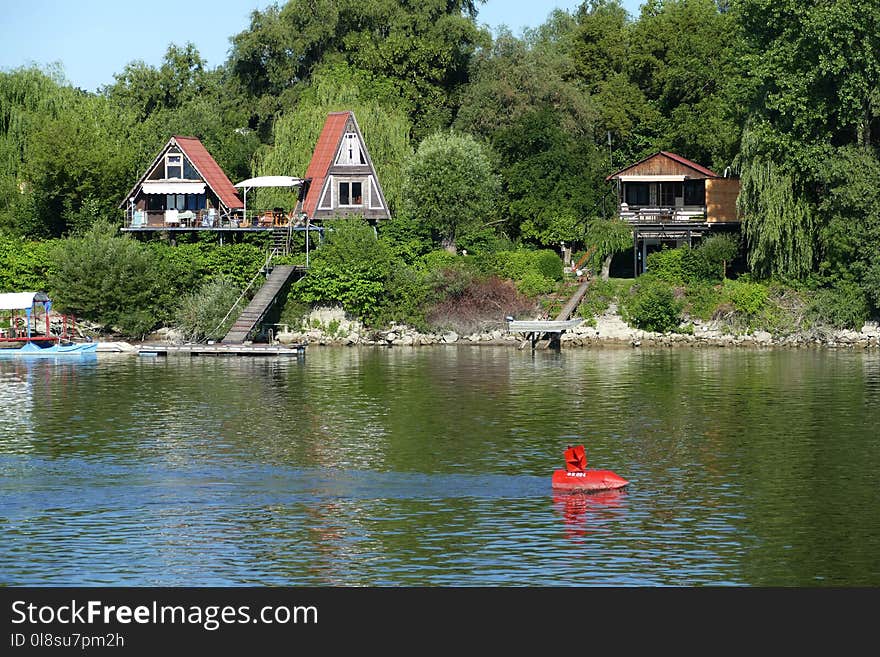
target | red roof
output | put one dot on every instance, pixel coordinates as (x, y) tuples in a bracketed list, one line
[(688, 163), (672, 156), (322, 157), (210, 171)]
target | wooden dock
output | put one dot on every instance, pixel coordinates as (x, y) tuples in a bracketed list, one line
[(547, 333), (220, 349)]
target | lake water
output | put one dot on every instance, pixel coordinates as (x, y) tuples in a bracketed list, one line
[(431, 466)]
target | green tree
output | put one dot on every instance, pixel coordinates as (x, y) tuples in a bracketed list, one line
[(608, 237), (450, 185), (550, 179), (107, 279), (778, 222), (422, 48)]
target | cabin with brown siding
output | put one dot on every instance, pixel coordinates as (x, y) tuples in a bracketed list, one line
[(670, 200)]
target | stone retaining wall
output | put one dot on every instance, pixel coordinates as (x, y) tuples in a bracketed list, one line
[(329, 326)]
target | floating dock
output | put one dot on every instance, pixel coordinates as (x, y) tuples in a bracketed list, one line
[(221, 349)]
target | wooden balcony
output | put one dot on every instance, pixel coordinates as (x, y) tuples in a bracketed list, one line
[(690, 214), (196, 220)]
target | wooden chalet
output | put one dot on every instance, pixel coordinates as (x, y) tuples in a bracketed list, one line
[(670, 200), (341, 178), (183, 189)]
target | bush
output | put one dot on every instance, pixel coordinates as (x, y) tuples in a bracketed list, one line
[(653, 306), (200, 314), (549, 264), (533, 283), (701, 300), (483, 303), (666, 265), (535, 272), (844, 305), (747, 298), (716, 253), (25, 266), (109, 279)]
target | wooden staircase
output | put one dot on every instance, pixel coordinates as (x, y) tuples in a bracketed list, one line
[(263, 300), (281, 239)]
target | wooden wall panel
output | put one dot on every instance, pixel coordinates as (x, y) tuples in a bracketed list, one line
[(721, 194)]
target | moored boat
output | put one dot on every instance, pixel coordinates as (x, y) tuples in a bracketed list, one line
[(24, 337), (44, 349)]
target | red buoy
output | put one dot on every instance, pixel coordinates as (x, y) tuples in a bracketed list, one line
[(576, 477)]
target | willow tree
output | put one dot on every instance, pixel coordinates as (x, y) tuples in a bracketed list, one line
[(778, 222), (386, 129), (607, 237)]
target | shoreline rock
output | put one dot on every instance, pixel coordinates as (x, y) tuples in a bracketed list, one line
[(331, 327)]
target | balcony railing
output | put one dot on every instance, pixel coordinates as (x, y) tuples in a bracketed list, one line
[(207, 219), (663, 215)]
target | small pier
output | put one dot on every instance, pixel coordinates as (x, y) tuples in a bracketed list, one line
[(547, 332), (220, 349)]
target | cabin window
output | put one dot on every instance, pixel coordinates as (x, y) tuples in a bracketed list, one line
[(174, 165), (175, 201), (350, 153), (635, 193), (351, 193), (195, 202), (695, 192), (669, 192)]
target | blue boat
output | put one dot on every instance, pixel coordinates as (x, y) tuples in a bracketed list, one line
[(35, 349), (23, 338)]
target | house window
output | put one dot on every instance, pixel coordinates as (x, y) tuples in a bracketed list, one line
[(635, 194), (669, 191), (350, 153), (695, 192), (174, 165), (175, 201), (350, 193)]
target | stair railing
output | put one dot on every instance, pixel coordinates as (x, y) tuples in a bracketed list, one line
[(265, 270)]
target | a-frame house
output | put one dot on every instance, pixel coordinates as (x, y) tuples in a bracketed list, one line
[(183, 188), (341, 176)]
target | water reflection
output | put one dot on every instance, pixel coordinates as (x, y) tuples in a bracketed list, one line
[(585, 513), (432, 466)]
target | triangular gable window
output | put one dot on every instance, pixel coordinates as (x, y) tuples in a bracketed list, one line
[(351, 152)]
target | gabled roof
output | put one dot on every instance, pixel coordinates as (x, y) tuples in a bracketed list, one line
[(209, 170), (322, 157), (675, 158), (203, 163)]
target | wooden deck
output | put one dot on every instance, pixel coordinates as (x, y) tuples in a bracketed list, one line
[(220, 349), (542, 326)]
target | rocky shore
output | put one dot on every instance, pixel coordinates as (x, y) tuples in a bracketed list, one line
[(329, 326)]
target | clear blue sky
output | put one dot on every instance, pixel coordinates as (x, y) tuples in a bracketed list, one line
[(93, 39)]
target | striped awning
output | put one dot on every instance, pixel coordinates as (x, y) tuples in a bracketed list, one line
[(173, 187)]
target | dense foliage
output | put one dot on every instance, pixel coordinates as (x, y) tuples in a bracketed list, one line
[(489, 145)]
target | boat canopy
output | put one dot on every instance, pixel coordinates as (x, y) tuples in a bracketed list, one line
[(22, 300)]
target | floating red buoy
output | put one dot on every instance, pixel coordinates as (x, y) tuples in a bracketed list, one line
[(576, 477)]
